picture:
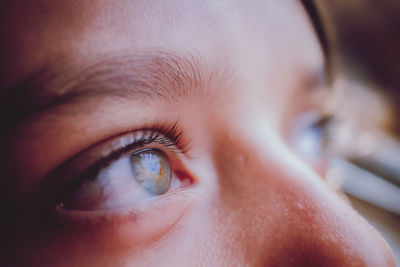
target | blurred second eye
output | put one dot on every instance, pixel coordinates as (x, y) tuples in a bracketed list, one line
[(127, 181), (307, 135)]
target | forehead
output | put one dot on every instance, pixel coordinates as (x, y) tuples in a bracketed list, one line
[(41, 32)]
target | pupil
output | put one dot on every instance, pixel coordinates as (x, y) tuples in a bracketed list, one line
[(151, 169)]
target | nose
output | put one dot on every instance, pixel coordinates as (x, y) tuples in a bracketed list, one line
[(278, 212)]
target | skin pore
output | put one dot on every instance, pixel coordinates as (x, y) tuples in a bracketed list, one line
[(82, 79)]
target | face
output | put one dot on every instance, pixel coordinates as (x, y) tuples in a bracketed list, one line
[(141, 133)]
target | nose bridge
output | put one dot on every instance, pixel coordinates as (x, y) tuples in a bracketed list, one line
[(287, 211), (247, 172)]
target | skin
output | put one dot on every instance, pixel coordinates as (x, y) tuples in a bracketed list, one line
[(251, 201)]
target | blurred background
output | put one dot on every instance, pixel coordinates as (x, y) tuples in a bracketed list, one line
[(363, 138)]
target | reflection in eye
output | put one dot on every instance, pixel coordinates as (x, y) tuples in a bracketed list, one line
[(151, 169), (127, 181)]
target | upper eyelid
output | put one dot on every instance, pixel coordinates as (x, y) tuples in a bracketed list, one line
[(111, 150), (118, 143), (108, 158)]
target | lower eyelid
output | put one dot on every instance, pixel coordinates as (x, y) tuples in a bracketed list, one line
[(136, 224), (123, 213)]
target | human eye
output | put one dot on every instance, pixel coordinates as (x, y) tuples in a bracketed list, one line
[(137, 179), (138, 167), (309, 133)]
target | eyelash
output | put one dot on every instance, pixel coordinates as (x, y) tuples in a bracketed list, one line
[(170, 137)]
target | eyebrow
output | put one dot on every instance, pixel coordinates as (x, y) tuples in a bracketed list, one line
[(156, 75)]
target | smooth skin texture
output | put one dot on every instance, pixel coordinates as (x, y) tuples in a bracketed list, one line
[(234, 75)]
